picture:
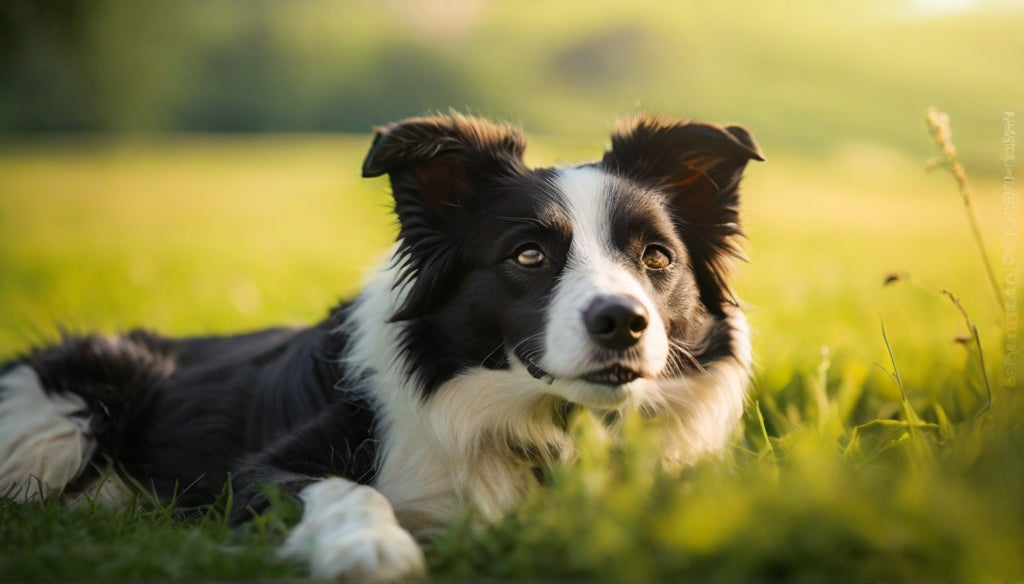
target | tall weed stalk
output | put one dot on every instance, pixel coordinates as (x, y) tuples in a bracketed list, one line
[(942, 133)]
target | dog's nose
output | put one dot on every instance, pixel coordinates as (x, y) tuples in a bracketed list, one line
[(616, 322)]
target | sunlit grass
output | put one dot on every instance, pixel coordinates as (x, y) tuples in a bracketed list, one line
[(51, 541), (185, 235), (830, 480)]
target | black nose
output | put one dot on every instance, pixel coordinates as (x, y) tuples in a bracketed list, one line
[(616, 322)]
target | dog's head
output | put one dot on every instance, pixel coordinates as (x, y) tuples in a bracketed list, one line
[(589, 281)]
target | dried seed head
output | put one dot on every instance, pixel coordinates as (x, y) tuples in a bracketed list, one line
[(938, 123)]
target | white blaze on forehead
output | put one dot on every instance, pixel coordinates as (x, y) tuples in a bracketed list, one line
[(594, 267), (585, 194)]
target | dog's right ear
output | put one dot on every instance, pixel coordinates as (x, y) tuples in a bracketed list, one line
[(436, 160), (438, 166)]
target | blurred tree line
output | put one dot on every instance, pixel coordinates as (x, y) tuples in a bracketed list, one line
[(809, 78), (122, 65)]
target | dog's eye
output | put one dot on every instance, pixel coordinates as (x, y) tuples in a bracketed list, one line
[(656, 258), (530, 257)]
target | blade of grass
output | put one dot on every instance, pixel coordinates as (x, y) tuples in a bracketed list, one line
[(913, 421), (769, 449), (977, 344), (820, 386)]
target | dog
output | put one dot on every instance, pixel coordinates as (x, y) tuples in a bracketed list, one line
[(511, 297)]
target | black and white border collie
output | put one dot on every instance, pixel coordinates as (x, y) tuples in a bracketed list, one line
[(511, 296)]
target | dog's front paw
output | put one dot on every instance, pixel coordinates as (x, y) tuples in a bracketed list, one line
[(350, 531)]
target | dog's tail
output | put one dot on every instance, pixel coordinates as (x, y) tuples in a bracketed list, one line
[(64, 409)]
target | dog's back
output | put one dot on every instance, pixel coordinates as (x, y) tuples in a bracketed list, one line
[(175, 415)]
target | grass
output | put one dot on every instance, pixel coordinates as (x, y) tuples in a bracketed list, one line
[(53, 541), (865, 453)]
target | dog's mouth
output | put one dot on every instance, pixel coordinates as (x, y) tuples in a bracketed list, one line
[(615, 374)]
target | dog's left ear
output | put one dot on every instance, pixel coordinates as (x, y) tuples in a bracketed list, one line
[(439, 166), (698, 167)]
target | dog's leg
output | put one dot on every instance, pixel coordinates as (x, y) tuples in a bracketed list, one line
[(350, 531), (44, 439)]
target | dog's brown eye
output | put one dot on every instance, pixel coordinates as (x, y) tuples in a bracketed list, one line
[(531, 257), (655, 258)]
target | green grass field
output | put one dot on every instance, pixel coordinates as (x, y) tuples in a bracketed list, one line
[(840, 472)]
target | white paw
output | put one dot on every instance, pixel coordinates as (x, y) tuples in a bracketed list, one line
[(350, 531)]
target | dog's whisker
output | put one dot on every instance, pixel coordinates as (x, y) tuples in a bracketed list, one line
[(488, 356), (683, 351)]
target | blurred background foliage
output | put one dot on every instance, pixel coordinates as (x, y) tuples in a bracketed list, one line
[(809, 76)]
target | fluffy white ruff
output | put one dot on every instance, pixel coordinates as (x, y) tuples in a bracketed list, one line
[(44, 440), (349, 531)]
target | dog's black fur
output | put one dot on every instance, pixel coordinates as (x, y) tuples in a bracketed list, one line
[(177, 415)]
